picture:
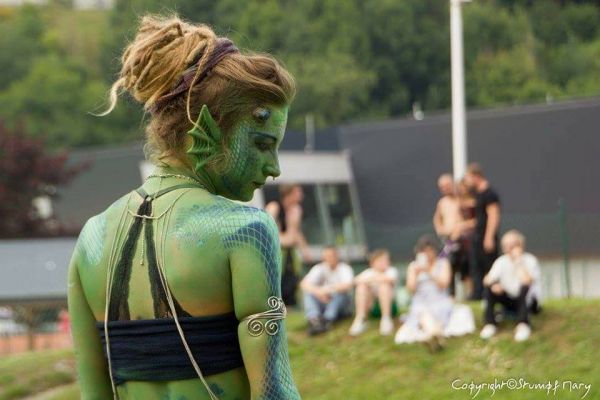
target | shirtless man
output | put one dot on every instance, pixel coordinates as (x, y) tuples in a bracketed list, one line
[(446, 219), (450, 226)]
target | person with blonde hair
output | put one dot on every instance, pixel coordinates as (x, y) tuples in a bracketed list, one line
[(375, 288), (174, 290), (514, 282)]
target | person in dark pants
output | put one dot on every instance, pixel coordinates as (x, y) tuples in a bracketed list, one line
[(513, 281), (484, 248), (288, 214)]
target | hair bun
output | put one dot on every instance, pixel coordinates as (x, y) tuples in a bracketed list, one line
[(155, 60)]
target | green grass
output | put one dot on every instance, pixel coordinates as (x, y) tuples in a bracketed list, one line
[(28, 373), (564, 346)]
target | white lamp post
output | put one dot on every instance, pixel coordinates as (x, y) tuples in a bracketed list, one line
[(459, 120)]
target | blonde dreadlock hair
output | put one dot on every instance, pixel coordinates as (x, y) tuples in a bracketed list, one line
[(155, 61)]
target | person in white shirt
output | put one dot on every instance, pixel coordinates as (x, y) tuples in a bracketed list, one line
[(376, 282), (326, 290), (513, 281)]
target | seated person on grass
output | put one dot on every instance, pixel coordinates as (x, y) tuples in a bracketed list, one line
[(326, 290), (428, 279), (375, 283), (514, 282)]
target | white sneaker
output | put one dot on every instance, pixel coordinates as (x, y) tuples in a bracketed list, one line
[(488, 331), (522, 332), (358, 327), (386, 326)]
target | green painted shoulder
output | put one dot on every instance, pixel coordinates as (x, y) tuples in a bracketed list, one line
[(91, 243), (220, 217)]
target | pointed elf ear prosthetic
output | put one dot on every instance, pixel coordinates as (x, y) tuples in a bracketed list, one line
[(206, 139)]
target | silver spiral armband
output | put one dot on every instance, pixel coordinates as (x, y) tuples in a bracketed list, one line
[(267, 321)]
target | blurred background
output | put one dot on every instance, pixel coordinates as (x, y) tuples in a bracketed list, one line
[(368, 135)]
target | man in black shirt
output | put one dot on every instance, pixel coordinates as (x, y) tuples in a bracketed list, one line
[(485, 238)]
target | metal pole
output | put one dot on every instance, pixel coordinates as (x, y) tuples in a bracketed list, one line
[(309, 120), (459, 128), (564, 235)]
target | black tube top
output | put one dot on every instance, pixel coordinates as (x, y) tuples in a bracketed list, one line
[(152, 350)]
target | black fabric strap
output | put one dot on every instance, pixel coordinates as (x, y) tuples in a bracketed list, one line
[(119, 308)]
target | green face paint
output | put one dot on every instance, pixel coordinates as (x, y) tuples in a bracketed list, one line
[(252, 156), (253, 145)]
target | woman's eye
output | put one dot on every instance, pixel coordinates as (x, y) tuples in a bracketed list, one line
[(262, 114), (263, 146)]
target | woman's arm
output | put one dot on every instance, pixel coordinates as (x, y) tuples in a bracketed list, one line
[(411, 278), (94, 380), (255, 262), (287, 238), (442, 279)]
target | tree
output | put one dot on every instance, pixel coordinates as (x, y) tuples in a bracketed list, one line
[(55, 101), (509, 77), (27, 172), (21, 40), (409, 52)]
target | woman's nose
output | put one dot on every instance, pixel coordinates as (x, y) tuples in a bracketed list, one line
[(272, 169)]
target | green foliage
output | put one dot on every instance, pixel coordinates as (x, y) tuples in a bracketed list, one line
[(54, 101), (21, 40), (352, 59), (509, 76)]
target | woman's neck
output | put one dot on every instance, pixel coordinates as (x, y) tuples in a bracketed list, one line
[(176, 167)]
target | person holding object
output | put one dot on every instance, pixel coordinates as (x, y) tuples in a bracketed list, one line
[(514, 282), (428, 278), (375, 286), (174, 290), (326, 290)]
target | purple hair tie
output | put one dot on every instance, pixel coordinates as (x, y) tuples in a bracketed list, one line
[(222, 48)]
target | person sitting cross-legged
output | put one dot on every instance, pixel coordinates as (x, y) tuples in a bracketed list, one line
[(326, 290), (375, 283), (513, 281)]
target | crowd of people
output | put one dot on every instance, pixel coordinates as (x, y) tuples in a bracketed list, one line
[(464, 255)]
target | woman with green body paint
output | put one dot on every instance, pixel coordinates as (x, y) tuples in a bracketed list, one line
[(178, 264)]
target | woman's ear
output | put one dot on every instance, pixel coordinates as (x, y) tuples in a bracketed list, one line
[(206, 139)]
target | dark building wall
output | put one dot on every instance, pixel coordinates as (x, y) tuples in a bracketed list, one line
[(533, 155)]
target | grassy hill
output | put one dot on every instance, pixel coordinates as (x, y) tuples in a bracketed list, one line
[(564, 347)]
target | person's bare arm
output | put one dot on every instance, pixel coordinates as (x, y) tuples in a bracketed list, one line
[(92, 369), (308, 287), (385, 278), (443, 279), (411, 278), (492, 276), (342, 287), (438, 224), (524, 276), (294, 225), (493, 223), (255, 263), (287, 238), (363, 277)]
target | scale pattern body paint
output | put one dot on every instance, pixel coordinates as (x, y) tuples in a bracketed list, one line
[(240, 225)]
